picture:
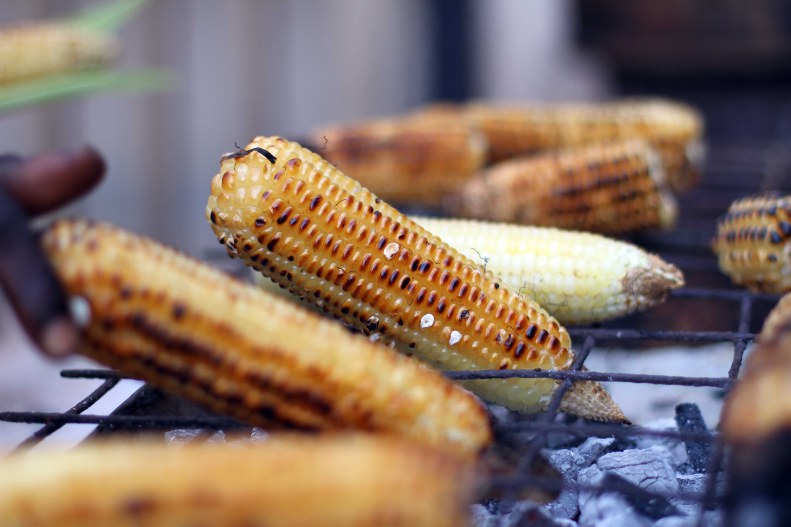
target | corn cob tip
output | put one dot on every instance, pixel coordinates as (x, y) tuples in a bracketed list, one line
[(589, 400), (653, 282)]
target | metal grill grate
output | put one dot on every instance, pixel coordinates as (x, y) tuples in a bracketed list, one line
[(732, 171)]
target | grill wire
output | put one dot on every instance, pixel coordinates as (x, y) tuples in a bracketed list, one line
[(732, 171)]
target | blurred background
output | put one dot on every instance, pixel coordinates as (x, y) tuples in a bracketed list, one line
[(251, 67)]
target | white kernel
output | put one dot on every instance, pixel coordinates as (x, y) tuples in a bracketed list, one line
[(80, 311), (427, 321), (455, 336), (391, 249)]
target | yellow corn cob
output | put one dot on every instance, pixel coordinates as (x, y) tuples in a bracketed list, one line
[(578, 277), (350, 481), (673, 129), (32, 51), (760, 403), (752, 243), (607, 188), (191, 330), (407, 160), (298, 219)]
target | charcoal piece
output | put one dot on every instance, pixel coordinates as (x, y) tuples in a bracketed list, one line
[(676, 447), (690, 420), (569, 462), (481, 517), (647, 468), (526, 514), (609, 510), (646, 503)]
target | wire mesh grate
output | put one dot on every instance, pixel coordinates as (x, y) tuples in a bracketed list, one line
[(732, 172)]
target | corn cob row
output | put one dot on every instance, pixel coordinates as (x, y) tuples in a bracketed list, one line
[(193, 331), (760, 403), (292, 215), (607, 188), (578, 277), (753, 243), (30, 51), (351, 481), (513, 130), (406, 160)]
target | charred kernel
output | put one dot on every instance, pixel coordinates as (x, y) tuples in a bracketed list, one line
[(531, 331), (404, 282), (520, 349), (273, 242), (464, 314), (509, 342), (381, 243), (213, 217), (432, 297), (421, 294), (424, 267), (542, 337), (453, 284), (393, 276), (775, 237), (785, 228), (414, 265), (463, 289), (260, 221), (314, 202), (441, 305)]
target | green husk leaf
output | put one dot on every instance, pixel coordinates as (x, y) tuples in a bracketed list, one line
[(69, 85), (109, 17)]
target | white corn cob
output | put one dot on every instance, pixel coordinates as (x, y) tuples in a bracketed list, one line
[(578, 277)]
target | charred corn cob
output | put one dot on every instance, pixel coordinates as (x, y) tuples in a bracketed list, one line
[(673, 129), (753, 243), (293, 216), (578, 277), (188, 329), (284, 481), (32, 51), (607, 188), (407, 160)]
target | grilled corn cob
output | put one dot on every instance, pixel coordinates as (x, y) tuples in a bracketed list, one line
[(578, 277), (753, 243), (673, 129), (284, 481), (30, 51), (407, 160), (756, 425), (607, 188), (193, 331), (298, 219), (760, 403)]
